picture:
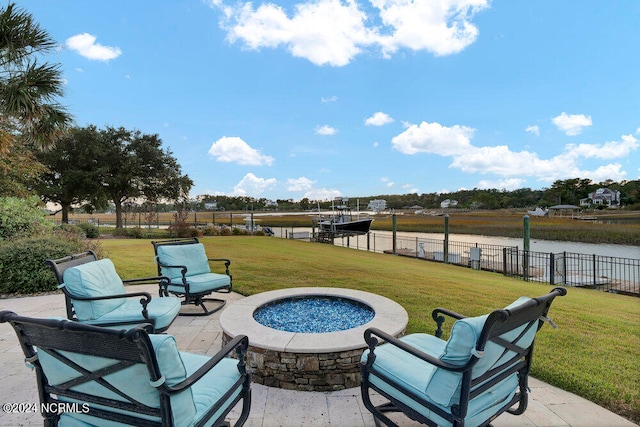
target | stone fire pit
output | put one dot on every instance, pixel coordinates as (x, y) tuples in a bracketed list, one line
[(308, 361)]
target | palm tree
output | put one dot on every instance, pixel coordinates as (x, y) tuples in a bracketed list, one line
[(28, 90)]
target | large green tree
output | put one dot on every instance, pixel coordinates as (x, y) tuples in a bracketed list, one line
[(29, 90), (133, 166), (73, 175), (93, 165)]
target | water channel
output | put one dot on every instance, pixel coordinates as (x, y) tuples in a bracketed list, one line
[(384, 238)]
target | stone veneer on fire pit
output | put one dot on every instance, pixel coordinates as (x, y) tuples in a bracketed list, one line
[(308, 361)]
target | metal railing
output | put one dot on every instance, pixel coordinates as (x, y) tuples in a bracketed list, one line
[(605, 273)]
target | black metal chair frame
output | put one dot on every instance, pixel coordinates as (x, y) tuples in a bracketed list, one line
[(197, 299), (129, 348), (534, 312), (60, 265)]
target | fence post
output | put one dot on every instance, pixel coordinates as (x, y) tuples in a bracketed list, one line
[(394, 232), (445, 249), (525, 247), (504, 261), (595, 280), (552, 268)]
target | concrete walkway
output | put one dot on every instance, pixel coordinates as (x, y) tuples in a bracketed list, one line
[(271, 407)]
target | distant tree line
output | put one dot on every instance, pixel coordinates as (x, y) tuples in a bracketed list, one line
[(568, 192)]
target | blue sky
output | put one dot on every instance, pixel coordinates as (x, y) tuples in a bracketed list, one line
[(327, 98)]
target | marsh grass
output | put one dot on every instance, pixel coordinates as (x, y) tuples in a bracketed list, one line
[(504, 223), (593, 353)]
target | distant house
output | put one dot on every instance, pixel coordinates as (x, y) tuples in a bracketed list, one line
[(271, 204), (602, 197), (211, 206), (377, 205), (448, 203)]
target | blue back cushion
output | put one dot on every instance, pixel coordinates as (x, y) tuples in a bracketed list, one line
[(133, 381), (444, 385), (94, 279), (192, 256)]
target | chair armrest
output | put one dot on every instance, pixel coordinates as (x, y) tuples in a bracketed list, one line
[(162, 281), (143, 301), (239, 344), (145, 280), (183, 268), (146, 295), (227, 263), (436, 315), (370, 337)]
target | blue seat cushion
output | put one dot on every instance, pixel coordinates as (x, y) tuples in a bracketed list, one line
[(439, 386), (214, 384), (94, 279), (162, 310), (191, 256), (480, 409), (201, 284), (134, 380), (462, 342)]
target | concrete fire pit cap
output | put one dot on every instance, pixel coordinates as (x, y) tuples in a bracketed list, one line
[(237, 319)]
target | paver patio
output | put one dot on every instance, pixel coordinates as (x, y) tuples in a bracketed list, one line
[(271, 407)]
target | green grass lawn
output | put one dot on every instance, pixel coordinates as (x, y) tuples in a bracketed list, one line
[(595, 352)]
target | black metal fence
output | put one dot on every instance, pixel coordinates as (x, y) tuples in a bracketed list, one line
[(605, 273)]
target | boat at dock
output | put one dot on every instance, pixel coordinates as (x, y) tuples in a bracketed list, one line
[(342, 222)]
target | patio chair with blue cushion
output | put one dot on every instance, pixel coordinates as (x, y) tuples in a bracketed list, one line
[(480, 372), (95, 294), (185, 263), (93, 376)]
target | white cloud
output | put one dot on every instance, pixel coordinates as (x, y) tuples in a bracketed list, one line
[(608, 150), (506, 184), (434, 138), (325, 130), (250, 185), (234, 149), (533, 129), (442, 27), (638, 131), (378, 119), (611, 171), (322, 194), (375, 144), (333, 32), (329, 99), (85, 44), (455, 142), (387, 182), (299, 184), (571, 124)]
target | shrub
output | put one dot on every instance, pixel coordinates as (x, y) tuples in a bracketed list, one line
[(183, 229), (22, 216), (90, 230), (135, 232), (22, 260), (211, 230)]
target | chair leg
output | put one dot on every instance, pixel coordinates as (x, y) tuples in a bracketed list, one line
[(200, 302)]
